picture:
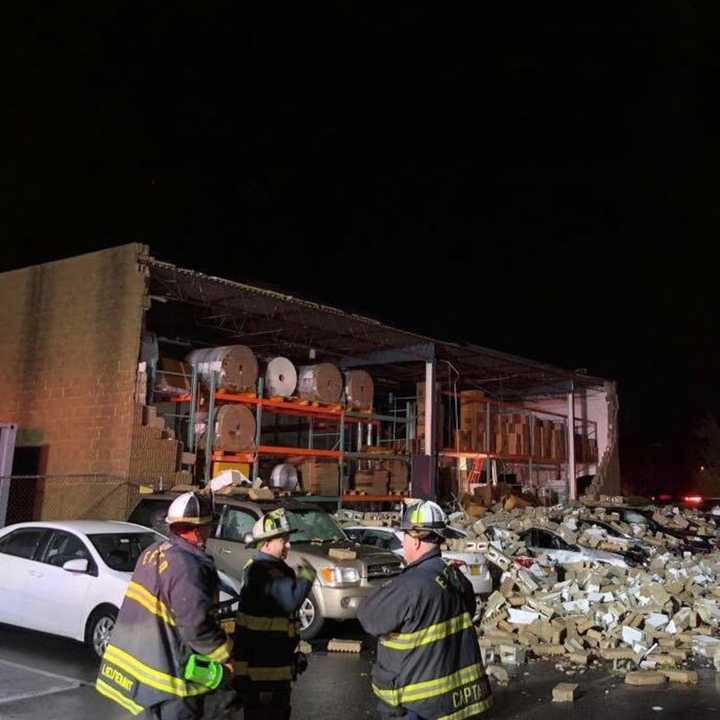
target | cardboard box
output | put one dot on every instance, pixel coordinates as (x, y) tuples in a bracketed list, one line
[(372, 482), (319, 478)]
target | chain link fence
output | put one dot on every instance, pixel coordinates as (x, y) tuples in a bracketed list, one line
[(70, 497)]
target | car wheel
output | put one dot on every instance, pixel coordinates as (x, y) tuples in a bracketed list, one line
[(100, 627), (311, 621)]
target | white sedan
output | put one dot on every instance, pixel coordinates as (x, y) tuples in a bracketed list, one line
[(541, 541), (472, 564), (69, 577)]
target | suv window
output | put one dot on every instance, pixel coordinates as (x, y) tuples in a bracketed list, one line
[(383, 540), (63, 547), (23, 543), (151, 513), (236, 524)]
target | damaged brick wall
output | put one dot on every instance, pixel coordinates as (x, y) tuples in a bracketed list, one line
[(69, 345), (155, 455), (607, 481)]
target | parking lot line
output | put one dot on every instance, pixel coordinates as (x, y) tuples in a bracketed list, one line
[(37, 693), (24, 682), (29, 668)]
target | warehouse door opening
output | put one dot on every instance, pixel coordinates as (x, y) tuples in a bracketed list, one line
[(25, 486)]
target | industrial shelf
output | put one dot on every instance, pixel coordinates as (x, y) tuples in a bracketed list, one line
[(500, 456), (250, 455), (299, 408)]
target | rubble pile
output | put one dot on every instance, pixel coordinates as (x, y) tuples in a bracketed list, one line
[(655, 616)]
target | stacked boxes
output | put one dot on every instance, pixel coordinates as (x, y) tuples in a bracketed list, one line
[(586, 450), (379, 476), (372, 482), (472, 436), (398, 471), (512, 434), (319, 478), (550, 440)]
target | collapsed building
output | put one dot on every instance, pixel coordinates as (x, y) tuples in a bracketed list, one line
[(119, 371)]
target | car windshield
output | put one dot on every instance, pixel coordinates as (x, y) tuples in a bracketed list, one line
[(310, 525), (120, 551)]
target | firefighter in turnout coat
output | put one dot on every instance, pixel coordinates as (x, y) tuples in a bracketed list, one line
[(165, 617), (428, 660), (266, 638)]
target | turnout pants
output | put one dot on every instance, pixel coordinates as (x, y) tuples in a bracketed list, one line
[(181, 709)]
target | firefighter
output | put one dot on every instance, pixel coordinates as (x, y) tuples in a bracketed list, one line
[(166, 616), (428, 661), (267, 629)]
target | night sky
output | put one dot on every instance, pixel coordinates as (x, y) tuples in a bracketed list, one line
[(535, 179)]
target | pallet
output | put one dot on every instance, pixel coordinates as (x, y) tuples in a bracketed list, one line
[(334, 407), (239, 396)]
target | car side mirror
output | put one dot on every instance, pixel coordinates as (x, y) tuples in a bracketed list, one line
[(79, 565), (248, 539)]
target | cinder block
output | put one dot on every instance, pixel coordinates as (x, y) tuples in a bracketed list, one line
[(644, 677), (564, 692)]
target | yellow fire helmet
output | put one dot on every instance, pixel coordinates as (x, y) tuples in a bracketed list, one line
[(427, 516), (271, 525)]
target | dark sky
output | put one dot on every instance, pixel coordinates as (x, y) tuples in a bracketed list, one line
[(533, 178)]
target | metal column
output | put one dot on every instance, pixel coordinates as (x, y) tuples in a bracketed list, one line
[(430, 425), (8, 432), (487, 429), (571, 443), (258, 428), (429, 408), (193, 408), (409, 426), (341, 461), (210, 430)]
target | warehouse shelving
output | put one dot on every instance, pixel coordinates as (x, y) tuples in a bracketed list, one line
[(334, 414)]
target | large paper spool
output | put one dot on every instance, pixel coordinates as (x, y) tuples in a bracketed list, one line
[(236, 366), (280, 378), (234, 428), (284, 477), (359, 389), (320, 383)]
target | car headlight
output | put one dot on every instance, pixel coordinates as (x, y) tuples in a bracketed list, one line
[(339, 575)]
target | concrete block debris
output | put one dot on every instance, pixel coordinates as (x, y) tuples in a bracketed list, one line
[(347, 646), (645, 678), (564, 692)]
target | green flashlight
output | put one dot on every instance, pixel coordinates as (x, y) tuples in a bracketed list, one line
[(201, 670)]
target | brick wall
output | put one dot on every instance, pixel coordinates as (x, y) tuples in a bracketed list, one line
[(69, 345)]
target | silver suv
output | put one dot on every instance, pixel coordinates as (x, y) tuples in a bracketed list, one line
[(340, 584)]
